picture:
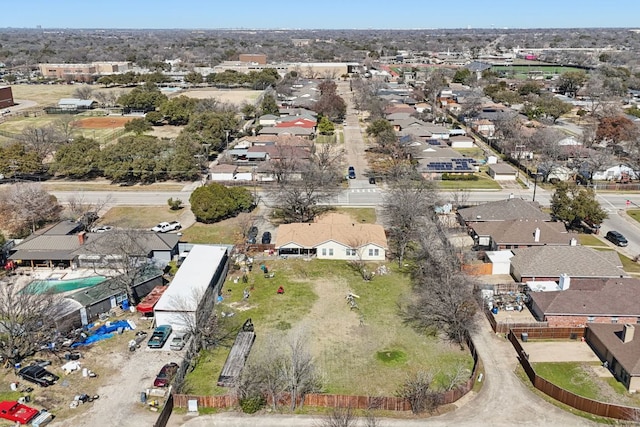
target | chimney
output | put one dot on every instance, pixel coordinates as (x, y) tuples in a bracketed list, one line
[(573, 242), (536, 235), (82, 237), (627, 333), (565, 281)]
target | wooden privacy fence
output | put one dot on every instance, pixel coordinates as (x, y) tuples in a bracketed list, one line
[(578, 402), (549, 333), (503, 328), (342, 401)]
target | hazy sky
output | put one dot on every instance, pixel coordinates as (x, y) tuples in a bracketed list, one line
[(323, 14)]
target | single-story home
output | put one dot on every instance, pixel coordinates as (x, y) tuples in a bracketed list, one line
[(223, 172), (333, 237), (518, 233), (512, 208), (550, 262), (617, 345), (461, 141), (502, 172), (580, 302)]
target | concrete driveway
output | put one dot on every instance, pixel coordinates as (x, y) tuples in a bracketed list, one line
[(565, 351)]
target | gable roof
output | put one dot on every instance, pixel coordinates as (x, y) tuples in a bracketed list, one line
[(504, 210), (502, 169), (345, 232), (147, 241), (522, 232), (576, 261), (627, 354)]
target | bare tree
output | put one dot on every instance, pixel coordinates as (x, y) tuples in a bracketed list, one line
[(83, 92), (460, 198), (458, 374), (125, 255), (299, 370), (66, 126), (357, 247), (264, 373), (598, 160), (28, 320), (340, 417), (79, 206), (405, 207), (43, 141), (26, 207), (417, 390)]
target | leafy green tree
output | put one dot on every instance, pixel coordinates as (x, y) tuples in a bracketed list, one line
[(269, 105), (16, 159), (552, 107), (462, 75), (105, 80), (529, 87), (182, 161), (572, 204), (325, 126), (210, 128), (178, 110), (193, 78), (215, 202), (139, 158), (571, 82), (154, 117), (174, 204), (382, 131), (137, 126), (144, 98), (248, 111), (77, 159)]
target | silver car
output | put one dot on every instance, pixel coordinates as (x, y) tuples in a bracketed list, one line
[(179, 341)]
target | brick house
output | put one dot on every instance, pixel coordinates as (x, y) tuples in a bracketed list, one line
[(617, 345), (518, 233), (548, 263), (587, 301), (503, 210)]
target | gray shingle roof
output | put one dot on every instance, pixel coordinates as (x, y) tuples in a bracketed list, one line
[(522, 232), (576, 261), (504, 210), (627, 354)]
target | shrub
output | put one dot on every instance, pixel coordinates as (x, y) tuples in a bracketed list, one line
[(174, 204), (456, 177), (253, 404)]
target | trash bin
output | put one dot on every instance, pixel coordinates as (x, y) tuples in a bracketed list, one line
[(525, 337), (143, 397)]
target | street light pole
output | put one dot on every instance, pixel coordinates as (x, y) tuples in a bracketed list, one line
[(535, 185)]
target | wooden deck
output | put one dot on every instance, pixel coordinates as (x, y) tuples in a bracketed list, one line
[(237, 356)]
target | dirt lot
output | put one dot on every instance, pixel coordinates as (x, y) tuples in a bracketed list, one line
[(232, 96), (121, 377), (102, 122)]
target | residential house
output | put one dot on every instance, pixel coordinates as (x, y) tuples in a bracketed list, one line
[(223, 172), (461, 141), (333, 237), (502, 172), (484, 127), (613, 173), (518, 233), (550, 262), (512, 208), (436, 160), (267, 120), (580, 302), (308, 133), (617, 345)]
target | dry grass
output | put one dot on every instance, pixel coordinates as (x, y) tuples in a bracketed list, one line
[(139, 217), (46, 94), (234, 96), (104, 185)]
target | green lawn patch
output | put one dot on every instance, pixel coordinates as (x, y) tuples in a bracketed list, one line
[(634, 213), (141, 217), (368, 350), (571, 376), (484, 183), (590, 240), (629, 265), (226, 232), (475, 153), (360, 215)]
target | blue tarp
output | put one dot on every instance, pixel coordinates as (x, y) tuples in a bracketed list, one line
[(103, 332)]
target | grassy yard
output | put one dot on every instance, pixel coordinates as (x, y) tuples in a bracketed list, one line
[(629, 265), (222, 232), (475, 153), (103, 185), (571, 376), (139, 217), (360, 215), (589, 240), (484, 183), (365, 351), (634, 213)]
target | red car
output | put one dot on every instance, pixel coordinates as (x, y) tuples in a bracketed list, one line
[(14, 411), (165, 375)]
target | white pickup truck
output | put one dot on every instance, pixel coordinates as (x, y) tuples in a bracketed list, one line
[(165, 227)]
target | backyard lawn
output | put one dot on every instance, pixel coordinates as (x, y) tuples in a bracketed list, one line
[(362, 351)]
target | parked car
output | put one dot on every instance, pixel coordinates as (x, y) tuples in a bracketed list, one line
[(165, 375), (266, 238), (38, 375), (17, 412), (179, 340), (159, 336), (616, 238), (101, 229), (165, 227), (352, 172), (252, 234)]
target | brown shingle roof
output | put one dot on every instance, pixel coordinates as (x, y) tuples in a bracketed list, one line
[(627, 354), (522, 232), (592, 297), (349, 234), (504, 210), (576, 261)]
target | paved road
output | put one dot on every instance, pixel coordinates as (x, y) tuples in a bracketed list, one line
[(503, 400)]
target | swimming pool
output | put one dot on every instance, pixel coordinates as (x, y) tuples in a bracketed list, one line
[(59, 286)]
